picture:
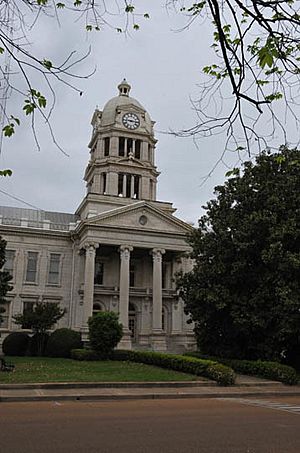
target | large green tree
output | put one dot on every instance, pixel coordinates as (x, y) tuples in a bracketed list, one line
[(5, 278), (244, 291)]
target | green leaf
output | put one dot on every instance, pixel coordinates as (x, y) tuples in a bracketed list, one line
[(9, 130), (89, 28), (60, 5), (1, 50), (47, 64), (6, 172)]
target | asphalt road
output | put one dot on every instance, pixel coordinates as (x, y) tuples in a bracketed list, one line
[(164, 426)]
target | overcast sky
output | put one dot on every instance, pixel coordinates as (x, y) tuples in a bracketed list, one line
[(163, 66)]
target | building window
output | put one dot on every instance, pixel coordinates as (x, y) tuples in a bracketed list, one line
[(104, 179), (99, 272), (132, 274), (9, 261), (27, 308), (106, 146), (121, 146), (5, 316), (136, 190), (97, 308), (31, 270), (129, 146), (132, 321), (120, 184), (54, 269), (138, 149)]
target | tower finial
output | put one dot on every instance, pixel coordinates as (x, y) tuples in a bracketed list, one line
[(124, 88)]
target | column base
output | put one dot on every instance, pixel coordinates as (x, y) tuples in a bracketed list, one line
[(158, 341), (126, 342)]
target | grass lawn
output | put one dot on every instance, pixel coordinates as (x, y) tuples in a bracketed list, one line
[(37, 369)]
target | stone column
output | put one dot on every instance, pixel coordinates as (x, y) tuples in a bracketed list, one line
[(158, 337), (125, 250), (89, 275)]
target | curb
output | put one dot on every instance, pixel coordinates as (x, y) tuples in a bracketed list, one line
[(152, 396)]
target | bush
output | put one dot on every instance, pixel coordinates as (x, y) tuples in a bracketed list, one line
[(37, 344), (222, 374), (84, 354), (16, 343), (270, 370), (105, 332), (62, 341)]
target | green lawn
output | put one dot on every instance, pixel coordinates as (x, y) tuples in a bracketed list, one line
[(36, 369)]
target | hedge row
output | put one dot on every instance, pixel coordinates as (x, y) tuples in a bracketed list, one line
[(270, 370), (222, 374)]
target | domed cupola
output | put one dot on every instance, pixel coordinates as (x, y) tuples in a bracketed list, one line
[(124, 88), (122, 149)]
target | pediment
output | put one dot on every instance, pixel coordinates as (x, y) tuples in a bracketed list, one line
[(143, 217), (130, 107), (132, 160)]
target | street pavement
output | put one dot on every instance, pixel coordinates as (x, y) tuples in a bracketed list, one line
[(245, 425)]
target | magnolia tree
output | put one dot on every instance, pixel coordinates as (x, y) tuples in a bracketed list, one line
[(244, 291)]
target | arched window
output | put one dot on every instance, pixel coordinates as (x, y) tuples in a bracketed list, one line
[(97, 307)]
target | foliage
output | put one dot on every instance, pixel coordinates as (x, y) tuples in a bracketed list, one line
[(244, 291), (40, 75), (249, 89), (105, 332), (41, 319), (84, 354), (256, 64), (270, 370), (5, 278), (62, 341), (15, 344), (223, 375)]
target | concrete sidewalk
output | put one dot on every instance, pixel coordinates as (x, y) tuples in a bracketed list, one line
[(245, 387)]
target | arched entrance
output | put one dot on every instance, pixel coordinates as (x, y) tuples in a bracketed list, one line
[(97, 307)]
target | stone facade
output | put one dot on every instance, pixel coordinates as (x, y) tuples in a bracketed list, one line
[(121, 249)]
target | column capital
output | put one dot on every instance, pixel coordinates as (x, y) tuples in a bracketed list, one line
[(157, 254), (90, 246), (125, 251)]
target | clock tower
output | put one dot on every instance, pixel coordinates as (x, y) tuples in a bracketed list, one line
[(121, 169)]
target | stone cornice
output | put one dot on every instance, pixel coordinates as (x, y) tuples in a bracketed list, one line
[(28, 231)]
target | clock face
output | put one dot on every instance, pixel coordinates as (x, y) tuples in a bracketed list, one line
[(131, 120)]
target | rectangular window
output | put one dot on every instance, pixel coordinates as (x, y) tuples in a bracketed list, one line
[(136, 186), (99, 272), (164, 275), (5, 316), (54, 269), (120, 184), (104, 183), (121, 146), (128, 186), (31, 270), (138, 149), (129, 146), (27, 308), (106, 146), (9, 261), (132, 275)]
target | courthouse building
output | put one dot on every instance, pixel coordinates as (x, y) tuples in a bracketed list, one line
[(120, 250)]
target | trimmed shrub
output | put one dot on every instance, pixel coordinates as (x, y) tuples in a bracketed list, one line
[(37, 344), (62, 341), (269, 370), (16, 344), (105, 332), (222, 374), (84, 354)]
